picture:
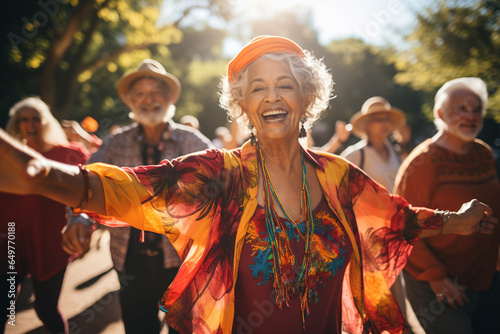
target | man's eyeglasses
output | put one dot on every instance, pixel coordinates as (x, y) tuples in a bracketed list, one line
[(464, 110)]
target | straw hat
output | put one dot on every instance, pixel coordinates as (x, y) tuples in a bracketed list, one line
[(372, 106), (151, 69)]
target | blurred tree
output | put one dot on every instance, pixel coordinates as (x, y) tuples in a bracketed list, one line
[(198, 63), (359, 70), (69, 51), (291, 24), (454, 39)]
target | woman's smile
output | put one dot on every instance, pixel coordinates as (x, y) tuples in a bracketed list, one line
[(275, 115)]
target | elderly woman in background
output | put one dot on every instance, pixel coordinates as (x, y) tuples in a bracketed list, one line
[(375, 154), (36, 220), (273, 237)]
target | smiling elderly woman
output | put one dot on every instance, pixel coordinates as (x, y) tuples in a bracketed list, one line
[(274, 238), (38, 220)]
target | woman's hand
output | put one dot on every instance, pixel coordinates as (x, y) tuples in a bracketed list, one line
[(25, 171), (472, 217)]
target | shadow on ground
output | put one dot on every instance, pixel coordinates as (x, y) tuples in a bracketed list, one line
[(95, 318)]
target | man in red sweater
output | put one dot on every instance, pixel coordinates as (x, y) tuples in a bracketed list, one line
[(452, 281)]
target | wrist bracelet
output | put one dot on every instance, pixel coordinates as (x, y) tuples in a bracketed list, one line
[(445, 215), (86, 192)]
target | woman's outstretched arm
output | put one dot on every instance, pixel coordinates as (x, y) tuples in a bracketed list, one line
[(25, 171)]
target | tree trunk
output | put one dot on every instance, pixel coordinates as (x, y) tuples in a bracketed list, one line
[(66, 100), (57, 50)]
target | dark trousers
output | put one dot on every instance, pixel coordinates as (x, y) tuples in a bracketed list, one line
[(46, 301), (481, 315), (143, 282)]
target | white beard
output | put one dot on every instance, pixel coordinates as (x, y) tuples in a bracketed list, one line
[(150, 118), (153, 117), (465, 136), (468, 137)]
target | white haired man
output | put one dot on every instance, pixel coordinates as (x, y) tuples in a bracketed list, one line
[(451, 280)]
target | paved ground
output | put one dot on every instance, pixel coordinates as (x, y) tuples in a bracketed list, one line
[(88, 299)]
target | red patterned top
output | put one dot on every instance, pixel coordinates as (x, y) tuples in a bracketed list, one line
[(254, 307)]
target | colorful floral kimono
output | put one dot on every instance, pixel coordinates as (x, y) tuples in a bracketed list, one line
[(203, 202)]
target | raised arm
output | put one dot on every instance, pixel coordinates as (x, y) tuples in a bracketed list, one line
[(25, 171), (342, 133)]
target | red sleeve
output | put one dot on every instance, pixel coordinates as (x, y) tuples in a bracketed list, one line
[(70, 154)]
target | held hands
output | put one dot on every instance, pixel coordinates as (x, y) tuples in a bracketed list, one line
[(25, 171), (472, 217), (20, 166)]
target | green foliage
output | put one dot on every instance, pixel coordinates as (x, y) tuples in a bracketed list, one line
[(197, 62), (72, 53), (454, 39), (359, 70)]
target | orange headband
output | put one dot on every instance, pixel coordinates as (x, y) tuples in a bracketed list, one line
[(260, 46)]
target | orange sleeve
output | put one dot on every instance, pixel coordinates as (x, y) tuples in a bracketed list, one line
[(124, 195)]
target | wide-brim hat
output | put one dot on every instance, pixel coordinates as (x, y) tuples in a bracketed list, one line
[(150, 68), (372, 106)]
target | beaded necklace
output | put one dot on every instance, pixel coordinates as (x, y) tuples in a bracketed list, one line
[(288, 280)]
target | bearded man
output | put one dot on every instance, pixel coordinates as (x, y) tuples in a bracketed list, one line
[(452, 281)]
